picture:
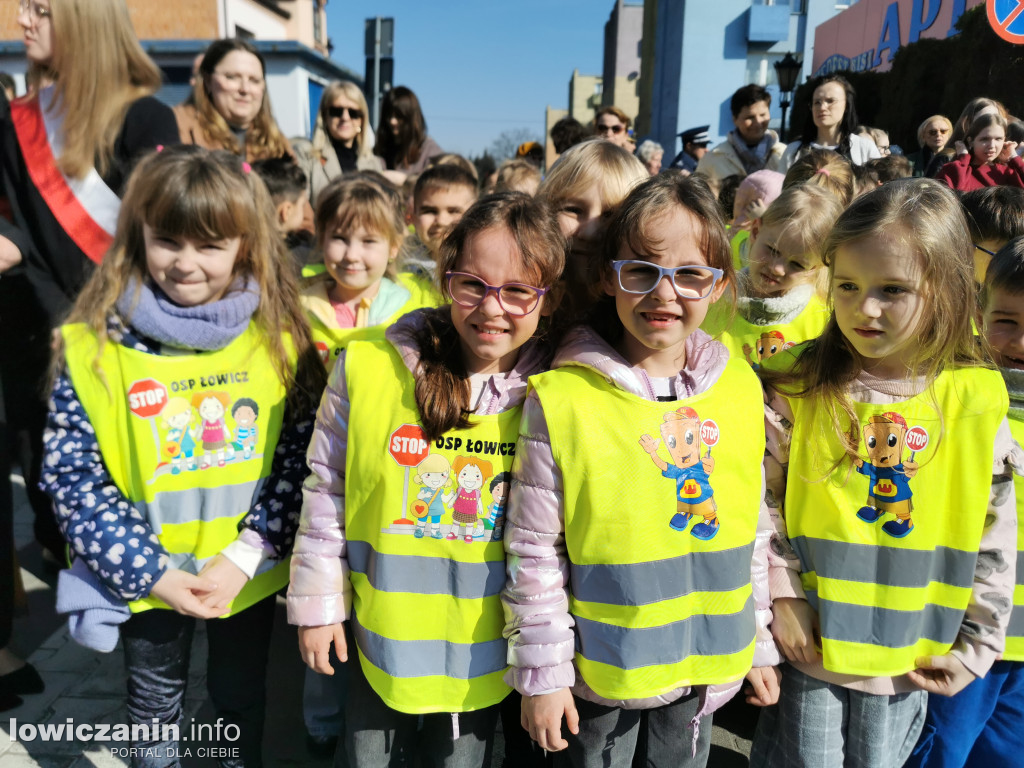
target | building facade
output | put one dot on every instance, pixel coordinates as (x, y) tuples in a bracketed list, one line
[(697, 53), (291, 35), (621, 71)]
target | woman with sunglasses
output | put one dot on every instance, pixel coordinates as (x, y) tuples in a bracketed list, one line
[(230, 107), (403, 142), (342, 138)]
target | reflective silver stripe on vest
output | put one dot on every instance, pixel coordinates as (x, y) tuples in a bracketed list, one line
[(426, 575), (192, 504), (886, 627), (885, 565), (420, 658), (1016, 628), (1020, 567), (652, 582), (633, 647)]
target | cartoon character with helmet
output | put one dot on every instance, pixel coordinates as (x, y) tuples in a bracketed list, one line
[(769, 344), (680, 431), (885, 437)]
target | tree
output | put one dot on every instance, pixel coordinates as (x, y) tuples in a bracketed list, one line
[(505, 146)]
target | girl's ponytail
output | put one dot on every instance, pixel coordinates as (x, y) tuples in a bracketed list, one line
[(442, 384)]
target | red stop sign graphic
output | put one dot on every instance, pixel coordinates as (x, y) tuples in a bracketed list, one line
[(146, 398), (408, 446), (917, 438), (709, 433)]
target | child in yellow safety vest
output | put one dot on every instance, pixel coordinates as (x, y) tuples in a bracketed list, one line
[(188, 334), (636, 494), (394, 542), (889, 473), (358, 293), (781, 293), (981, 725)]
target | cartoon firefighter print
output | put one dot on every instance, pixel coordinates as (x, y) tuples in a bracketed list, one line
[(681, 433), (769, 344), (885, 437)]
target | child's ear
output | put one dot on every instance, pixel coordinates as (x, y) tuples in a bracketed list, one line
[(284, 212), (552, 299), (755, 227), (719, 289)]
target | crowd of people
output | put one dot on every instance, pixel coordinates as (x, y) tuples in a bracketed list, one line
[(799, 366)]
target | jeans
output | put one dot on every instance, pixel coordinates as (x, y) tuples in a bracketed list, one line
[(157, 644), (612, 736), (377, 736)]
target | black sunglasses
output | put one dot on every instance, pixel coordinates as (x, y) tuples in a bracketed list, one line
[(354, 114)]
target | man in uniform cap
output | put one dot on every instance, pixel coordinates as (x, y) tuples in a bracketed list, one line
[(695, 144)]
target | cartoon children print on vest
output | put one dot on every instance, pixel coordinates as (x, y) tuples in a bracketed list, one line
[(500, 486), (180, 440), (681, 431), (768, 345), (468, 505), (245, 411), (434, 473), (885, 437)]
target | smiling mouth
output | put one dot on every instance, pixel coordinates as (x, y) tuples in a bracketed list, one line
[(660, 318), (868, 333), (489, 331), (1011, 362)]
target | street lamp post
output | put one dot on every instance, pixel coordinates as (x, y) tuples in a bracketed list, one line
[(787, 71)]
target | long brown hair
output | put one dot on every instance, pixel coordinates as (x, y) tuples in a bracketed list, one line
[(202, 195), (264, 139), (98, 69), (925, 218), (404, 149), (442, 383)]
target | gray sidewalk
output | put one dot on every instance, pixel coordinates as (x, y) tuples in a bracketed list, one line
[(89, 687)]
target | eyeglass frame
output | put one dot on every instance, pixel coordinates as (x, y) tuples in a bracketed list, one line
[(670, 273), (36, 12), (354, 113), (495, 289), (984, 250), (616, 129)]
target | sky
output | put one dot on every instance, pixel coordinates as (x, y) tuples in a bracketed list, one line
[(479, 67)]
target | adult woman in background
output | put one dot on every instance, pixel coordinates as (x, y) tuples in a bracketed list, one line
[(831, 124), (402, 139), (342, 139), (231, 108), (933, 137), (66, 150)]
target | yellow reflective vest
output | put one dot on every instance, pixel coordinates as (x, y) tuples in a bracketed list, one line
[(1015, 632), (422, 524), (888, 545), (758, 343), (188, 439), (661, 508)]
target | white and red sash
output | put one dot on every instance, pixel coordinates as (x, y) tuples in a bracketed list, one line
[(85, 208)]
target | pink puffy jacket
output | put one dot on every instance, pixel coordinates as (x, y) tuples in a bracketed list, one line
[(538, 624)]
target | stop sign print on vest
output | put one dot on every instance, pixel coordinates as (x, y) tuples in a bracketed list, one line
[(408, 446), (146, 398)]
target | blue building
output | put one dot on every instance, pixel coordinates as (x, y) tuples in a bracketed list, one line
[(698, 53)]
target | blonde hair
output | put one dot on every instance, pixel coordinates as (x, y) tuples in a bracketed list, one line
[(517, 176), (924, 219), (98, 70), (451, 158), (609, 167), (933, 119), (263, 139), (322, 137), (806, 213), (175, 406), (197, 194), (826, 169), (358, 200), (434, 462)]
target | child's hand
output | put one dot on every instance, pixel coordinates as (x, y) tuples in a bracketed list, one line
[(229, 579), (649, 444), (1008, 151), (315, 647), (794, 626), (763, 690), (184, 592), (542, 718), (755, 209), (960, 147), (945, 675)]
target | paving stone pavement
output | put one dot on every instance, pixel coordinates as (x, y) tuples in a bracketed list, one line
[(88, 688)]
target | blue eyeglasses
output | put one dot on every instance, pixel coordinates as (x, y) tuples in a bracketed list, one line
[(691, 281)]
